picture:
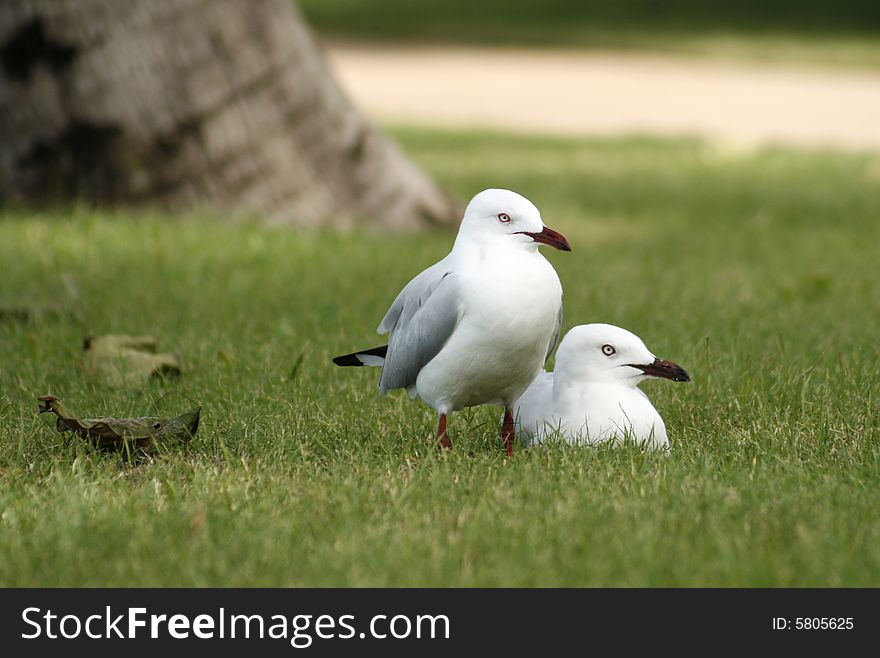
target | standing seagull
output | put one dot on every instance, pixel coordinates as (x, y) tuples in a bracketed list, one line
[(593, 395), (479, 325)]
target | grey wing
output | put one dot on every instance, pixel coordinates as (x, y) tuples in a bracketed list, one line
[(555, 338), (420, 321), (419, 289)]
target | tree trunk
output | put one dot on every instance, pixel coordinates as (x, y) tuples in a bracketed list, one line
[(220, 104)]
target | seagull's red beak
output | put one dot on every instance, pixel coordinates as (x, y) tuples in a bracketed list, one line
[(550, 237), (664, 369)]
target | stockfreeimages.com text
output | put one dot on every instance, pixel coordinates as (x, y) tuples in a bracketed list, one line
[(301, 630)]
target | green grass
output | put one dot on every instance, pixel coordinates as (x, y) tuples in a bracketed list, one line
[(845, 33), (756, 270)]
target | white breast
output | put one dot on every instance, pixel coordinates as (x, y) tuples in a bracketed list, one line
[(594, 413), (590, 413), (510, 308)]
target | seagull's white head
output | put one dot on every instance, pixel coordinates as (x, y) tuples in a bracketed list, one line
[(505, 217), (608, 354)]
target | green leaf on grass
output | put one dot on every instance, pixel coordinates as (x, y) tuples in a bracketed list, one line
[(117, 434), (121, 360)]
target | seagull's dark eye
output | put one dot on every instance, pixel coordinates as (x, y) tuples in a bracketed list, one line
[(503, 217), (608, 350)]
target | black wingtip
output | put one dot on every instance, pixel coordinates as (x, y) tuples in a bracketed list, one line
[(347, 360), (352, 360)]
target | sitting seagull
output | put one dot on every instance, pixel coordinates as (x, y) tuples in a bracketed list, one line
[(593, 395), (478, 326)]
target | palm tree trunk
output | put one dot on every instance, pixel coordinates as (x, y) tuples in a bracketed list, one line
[(220, 104)]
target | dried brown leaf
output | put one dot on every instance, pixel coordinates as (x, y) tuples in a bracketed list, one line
[(121, 360), (116, 434)]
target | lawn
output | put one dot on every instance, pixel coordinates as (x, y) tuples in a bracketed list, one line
[(756, 270), (846, 32)]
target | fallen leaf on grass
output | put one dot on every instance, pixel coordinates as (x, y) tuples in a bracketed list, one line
[(109, 434), (121, 360)]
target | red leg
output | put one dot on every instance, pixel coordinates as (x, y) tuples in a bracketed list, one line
[(508, 433), (442, 436)]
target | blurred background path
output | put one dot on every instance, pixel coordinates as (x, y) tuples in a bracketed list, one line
[(579, 92)]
